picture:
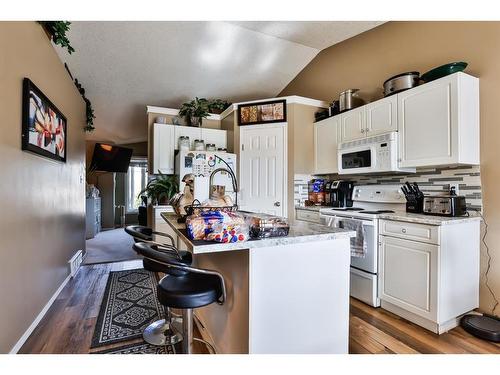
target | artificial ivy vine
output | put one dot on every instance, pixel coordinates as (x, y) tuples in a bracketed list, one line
[(57, 32)]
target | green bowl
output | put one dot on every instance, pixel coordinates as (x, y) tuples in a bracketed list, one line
[(443, 70)]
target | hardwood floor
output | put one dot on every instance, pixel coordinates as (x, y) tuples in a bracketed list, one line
[(69, 324), (379, 331)]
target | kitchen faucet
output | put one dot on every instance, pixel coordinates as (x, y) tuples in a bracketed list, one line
[(229, 170)]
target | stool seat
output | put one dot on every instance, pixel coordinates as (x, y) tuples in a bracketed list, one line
[(189, 291)]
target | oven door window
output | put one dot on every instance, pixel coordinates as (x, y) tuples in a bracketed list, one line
[(357, 159)]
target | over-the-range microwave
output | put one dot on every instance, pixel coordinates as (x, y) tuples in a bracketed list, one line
[(377, 154)]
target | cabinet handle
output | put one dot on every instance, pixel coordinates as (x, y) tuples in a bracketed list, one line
[(367, 130), (403, 230), (362, 130)]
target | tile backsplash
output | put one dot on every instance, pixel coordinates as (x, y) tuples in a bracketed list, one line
[(430, 180)]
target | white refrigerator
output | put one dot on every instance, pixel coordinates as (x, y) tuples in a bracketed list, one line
[(201, 164)]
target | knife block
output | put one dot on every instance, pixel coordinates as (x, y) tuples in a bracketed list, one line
[(415, 205)]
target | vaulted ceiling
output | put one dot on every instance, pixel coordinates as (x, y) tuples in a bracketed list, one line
[(125, 66)]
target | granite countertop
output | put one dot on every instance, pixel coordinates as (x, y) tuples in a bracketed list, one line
[(429, 219), (310, 208), (300, 232)]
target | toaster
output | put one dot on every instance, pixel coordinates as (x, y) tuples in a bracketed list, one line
[(445, 205)]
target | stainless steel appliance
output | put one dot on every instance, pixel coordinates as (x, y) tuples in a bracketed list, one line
[(370, 201), (401, 82), (349, 100), (375, 154), (445, 205), (340, 193)]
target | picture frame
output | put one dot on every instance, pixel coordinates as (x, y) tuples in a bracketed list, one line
[(44, 127), (262, 112)]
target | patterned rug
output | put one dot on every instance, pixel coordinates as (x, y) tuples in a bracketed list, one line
[(129, 305), (139, 348)]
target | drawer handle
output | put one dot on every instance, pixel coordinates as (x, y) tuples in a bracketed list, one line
[(403, 230)]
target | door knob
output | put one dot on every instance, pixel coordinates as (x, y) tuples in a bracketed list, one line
[(277, 204)]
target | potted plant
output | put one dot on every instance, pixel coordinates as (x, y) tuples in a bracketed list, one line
[(217, 106), (194, 111), (160, 189)]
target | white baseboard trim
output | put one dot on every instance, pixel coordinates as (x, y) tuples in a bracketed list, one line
[(38, 318)]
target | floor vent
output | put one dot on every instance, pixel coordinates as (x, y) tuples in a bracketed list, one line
[(75, 262)]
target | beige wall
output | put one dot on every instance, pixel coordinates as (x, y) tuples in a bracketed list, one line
[(42, 223), (367, 60)]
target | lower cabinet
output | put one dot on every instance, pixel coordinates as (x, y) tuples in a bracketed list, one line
[(430, 280), (409, 275)]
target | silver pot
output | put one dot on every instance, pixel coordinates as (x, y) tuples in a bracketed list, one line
[(349, 100), (401, 82)]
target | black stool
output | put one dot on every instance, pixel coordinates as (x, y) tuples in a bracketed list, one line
[(187, 288), (160, 332)]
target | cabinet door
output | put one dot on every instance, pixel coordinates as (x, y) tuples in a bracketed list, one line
[(428, 127), (382, 116), (215, 136), (191, 132), (408, 275), (163, 149), (326, 140), (353, 124)]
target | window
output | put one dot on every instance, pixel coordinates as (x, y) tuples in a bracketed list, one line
[(136, 180)]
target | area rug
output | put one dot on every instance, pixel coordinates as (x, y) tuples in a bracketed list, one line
[(129, 305), (139, 348)]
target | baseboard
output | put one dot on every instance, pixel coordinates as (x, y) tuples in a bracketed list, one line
[(38, 318)]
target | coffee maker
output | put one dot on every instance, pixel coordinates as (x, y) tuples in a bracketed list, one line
[(341, 193)]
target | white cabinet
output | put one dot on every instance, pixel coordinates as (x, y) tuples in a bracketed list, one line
[(409, 270), (439, 122), (371, 119), (353, 124), (326, 140), (429, 274), (216, 136), (163, 149), (166, 141), (382, 116)]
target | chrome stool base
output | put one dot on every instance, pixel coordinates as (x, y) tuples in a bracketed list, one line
[(160, 333)]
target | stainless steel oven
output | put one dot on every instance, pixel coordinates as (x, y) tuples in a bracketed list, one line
[(364, 282)]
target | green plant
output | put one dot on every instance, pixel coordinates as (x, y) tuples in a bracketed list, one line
[(161, 188), (57, 31), (88, 108), (196, 110), (217, 105)]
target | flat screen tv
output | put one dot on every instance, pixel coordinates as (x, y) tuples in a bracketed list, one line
[(110, 158)]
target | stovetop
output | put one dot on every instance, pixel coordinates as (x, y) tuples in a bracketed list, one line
[(355, 212)]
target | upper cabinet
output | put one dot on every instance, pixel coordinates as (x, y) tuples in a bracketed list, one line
[(439, 122), (371, 119), (382, 116), (166, 141), (353, 124), (164, 147), (326, 140)]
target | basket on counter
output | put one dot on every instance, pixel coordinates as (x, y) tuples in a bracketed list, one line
[(197, 208)]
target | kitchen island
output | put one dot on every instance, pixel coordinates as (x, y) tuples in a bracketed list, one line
[(284, 295)]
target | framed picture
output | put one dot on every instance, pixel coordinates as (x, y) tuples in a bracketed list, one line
[(262, 113), (43, 125)]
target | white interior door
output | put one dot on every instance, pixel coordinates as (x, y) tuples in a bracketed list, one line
[(263, 169)]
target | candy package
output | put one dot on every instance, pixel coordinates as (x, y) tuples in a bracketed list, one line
[(202, 224), (228, 233)]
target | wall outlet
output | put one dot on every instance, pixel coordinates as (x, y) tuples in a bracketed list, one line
[(456, 186)]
